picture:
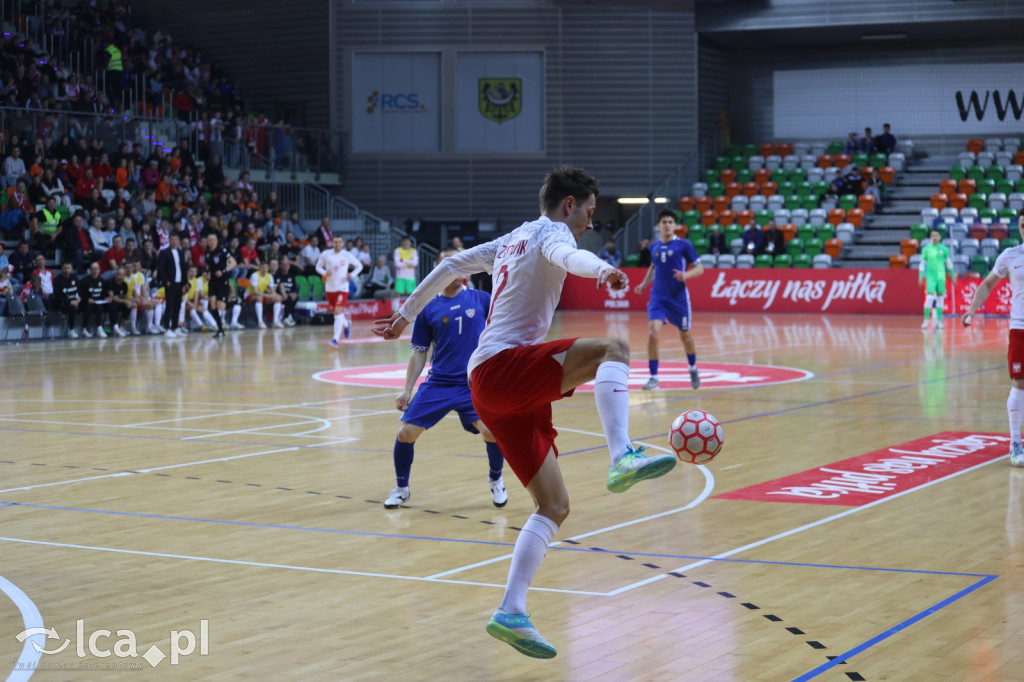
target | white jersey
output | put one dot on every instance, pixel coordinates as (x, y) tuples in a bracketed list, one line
[(335, 266), (529, 266), (1010, 263)]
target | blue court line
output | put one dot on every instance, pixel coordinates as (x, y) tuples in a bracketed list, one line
[(846, 655), (563, 548)]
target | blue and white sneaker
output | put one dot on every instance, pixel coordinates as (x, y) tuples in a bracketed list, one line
[(636, 466), (516, 630), (348, 331), (334, 342), (1017, 454)]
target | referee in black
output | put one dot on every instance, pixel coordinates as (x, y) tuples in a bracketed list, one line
[(219, 263), (170, 267)]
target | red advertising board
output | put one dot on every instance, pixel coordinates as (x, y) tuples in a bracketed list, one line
[(792, 290), (883, 473)]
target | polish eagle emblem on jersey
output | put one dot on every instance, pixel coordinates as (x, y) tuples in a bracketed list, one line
[(501, 99)]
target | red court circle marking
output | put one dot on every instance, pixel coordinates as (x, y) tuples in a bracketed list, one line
[(673, 375)]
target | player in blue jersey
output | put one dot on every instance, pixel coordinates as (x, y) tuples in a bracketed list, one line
[(673, 261), (452, 324)]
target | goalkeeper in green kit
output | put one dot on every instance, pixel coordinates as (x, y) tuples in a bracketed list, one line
[(935, 263)]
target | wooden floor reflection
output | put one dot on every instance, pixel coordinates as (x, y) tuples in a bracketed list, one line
[(148, 485)]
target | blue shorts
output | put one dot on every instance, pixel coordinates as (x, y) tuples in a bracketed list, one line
[(432, 402), (675, 312)]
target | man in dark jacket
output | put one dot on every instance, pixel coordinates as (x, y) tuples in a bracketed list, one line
[(171, 271), (65, 296)]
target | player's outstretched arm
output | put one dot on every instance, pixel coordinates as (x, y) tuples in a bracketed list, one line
[(648, 276), (390, 328), (980, 296)]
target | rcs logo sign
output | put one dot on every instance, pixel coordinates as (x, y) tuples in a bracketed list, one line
[(394, 102)]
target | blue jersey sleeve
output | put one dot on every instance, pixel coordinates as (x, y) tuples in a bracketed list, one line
[(422, 331), (690, 253)]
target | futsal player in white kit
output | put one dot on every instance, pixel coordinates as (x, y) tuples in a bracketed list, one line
[(334, 265), (515, 375), (1009, 264)]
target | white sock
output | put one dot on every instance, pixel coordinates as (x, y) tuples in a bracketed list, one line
[(339, 323), (160, 307), (133, 318), (1015, 411), (194, 314), (181, 316), (208, 318), (531, 546), (277, 312), (236, 312), (345, 321), (149, 319), (611, 393), (259, 314)]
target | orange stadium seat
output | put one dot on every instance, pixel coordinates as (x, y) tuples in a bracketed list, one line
[(866, 203), (732, 189), (998, 231), (867, 171), (784, 148), (1018, 158), (744, 217), (825, 161), (836, 216), (898, 261), (909, 247), (683, 231), (762, 175), (958, 200), (968, 186), (750, 189), (834, 247), (887, 174), (948, 187), (686, 204), (767, 149), (975, 145), (788, 231), (769, 188), (708, 218), (842, 160), (855, 216), (979, 231), (703, 204), (939, 201), (720, 203), (726, 176), (726, 217)]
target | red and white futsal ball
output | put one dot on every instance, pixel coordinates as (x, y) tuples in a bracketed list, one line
[(696, 437)]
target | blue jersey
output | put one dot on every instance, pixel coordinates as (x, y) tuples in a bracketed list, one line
[(667, 257), (454, 326)]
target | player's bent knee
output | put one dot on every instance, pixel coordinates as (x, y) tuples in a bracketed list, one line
[(616, 350), (408, 433)]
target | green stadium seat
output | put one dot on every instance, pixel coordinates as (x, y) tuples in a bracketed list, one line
[(847, 201), (812, 247), (632, 260), (302, 282), (804, 189), (798, 175), (700, 245), (820, 188), (317, 286), (836, 147), (734, 150), (679, 217), (826, 232), (958, 173), (751, 149), (744, 175), (1009, 243), (976, 173), (919, 231), (1010, 213), (787, 188), (805, 232), (989, 213), (793, 201), (783, 260), (1020, 185), (780, 175), (733, 232), (878, 160), (859, 160), (715, 189), (809, 203), (737, 162), (692, 217), (697, 231), (996, 173), (978, 201), (802, 260), (721, 163), (710, 175), (981, 264), (986, 186), (1005, 186), (795, 246), (941, 228), (763, 261), (763, 217)]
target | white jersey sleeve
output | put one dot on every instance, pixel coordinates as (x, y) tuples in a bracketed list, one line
[(469, 262)]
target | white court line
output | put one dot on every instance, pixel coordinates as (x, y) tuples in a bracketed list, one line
[(214, 434), (709, 485), (794, 531), (263, 409), (146, 471), (259, 564), (31, 618)]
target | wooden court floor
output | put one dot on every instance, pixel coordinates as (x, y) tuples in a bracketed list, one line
[(161, 490)]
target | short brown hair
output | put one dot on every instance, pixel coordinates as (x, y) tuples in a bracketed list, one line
[(566, 181)]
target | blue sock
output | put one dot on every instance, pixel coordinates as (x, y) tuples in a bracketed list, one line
[(495, 460), (691, 359), (403, 463), (652, 365)]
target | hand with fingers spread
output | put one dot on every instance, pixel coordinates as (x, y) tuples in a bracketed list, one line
[(390, 328), (615, 277)]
